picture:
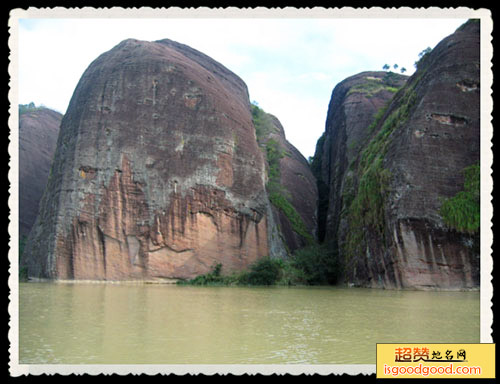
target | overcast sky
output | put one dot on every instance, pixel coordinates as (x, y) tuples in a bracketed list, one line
[(290, 65)]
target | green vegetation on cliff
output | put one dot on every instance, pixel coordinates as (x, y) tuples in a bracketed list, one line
[(284, 205), (372, 85), (23, 108), (378, 116), (278, 195), (273, 156), (262, 123), (364, 204), (462, 211)]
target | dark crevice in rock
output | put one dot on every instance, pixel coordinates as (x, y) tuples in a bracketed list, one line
[(468, 86), (448, 119), (102, 245)]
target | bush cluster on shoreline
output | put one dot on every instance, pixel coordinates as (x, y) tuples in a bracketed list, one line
[(312, 265)]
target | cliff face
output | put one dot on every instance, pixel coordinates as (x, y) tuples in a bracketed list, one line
[(392, 231), (38, 130), (291, 184), (157, 172), (353, 106)]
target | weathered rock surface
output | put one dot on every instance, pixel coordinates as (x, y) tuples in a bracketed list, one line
[(353, 106), (390, 233), (295, 183), (38, 130), (157, 173)]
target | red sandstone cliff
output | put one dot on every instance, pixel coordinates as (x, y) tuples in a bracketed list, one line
[(385, 190), (157, 173)]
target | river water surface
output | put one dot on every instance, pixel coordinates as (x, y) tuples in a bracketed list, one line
[(169, 324)]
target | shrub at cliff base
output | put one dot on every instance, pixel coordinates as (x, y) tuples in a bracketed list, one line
[(312, 265), (318, 263), (264, 272)]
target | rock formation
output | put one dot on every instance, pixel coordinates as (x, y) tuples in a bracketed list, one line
[(353, 107), (157, 172), (386, 195), (291, 185), (38, 130), (163, 169)]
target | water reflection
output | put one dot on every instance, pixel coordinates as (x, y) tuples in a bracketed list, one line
[(156, 324)]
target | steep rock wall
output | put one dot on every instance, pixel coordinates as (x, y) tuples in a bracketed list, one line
[(157, 172), (391, 232), (38, 131), (353, 107)]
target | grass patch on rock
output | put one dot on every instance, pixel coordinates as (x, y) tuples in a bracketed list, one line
[(462, 211), (371, 86)]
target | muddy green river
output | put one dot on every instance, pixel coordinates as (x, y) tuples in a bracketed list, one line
[(168, 324)]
